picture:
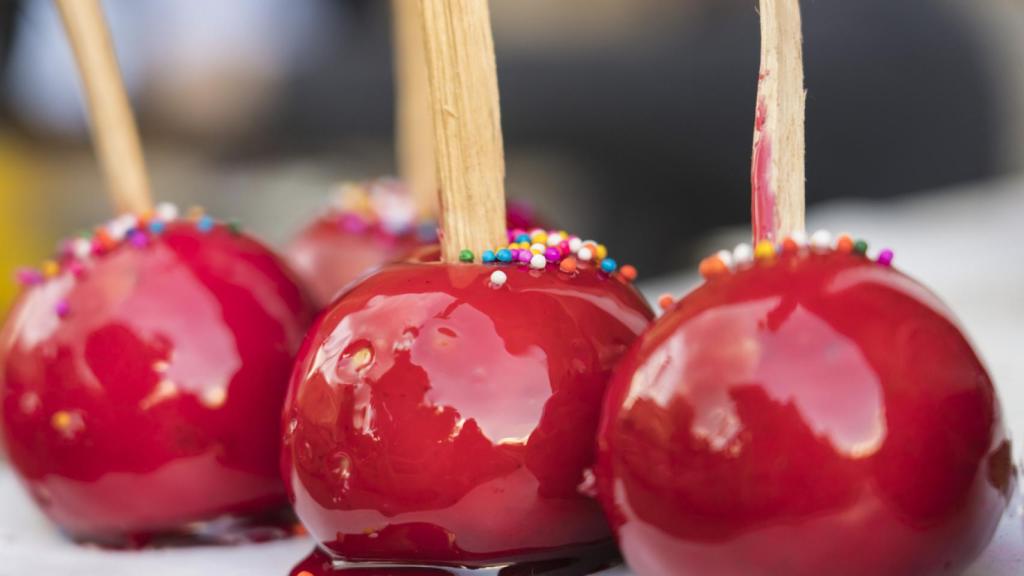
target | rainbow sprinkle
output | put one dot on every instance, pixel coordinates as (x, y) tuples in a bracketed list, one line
[(136, 230), (382, 206), (764, 252), (538, 249)]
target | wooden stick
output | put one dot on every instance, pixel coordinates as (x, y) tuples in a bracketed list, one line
[(414, 126), (113, 127), (463, 82), (777, 174)]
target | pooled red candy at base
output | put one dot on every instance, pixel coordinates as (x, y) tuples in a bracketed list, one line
[(816, 414), (436, 418), (141, 392)]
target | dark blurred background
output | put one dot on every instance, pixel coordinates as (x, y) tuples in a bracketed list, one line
[(627, 120)]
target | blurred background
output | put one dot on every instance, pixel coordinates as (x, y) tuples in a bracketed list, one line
[(625, 120)]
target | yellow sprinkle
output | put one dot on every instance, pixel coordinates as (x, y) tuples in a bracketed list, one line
[(50, 268), (61, 420), (541, 237), (764, 250), (195, 213), (601, 252)]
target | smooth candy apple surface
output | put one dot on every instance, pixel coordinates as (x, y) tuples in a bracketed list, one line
[(435, 418), (142, 393), (819, 414)]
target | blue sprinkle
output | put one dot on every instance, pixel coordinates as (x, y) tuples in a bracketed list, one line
[(608, 265), (488, 256), (157, 226), (523, 238), (427, 232), (504, 255), (205, 224)]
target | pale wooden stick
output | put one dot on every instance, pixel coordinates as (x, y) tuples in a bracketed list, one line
[(414, 126), (113, 127), (777, 174), (463, 82)]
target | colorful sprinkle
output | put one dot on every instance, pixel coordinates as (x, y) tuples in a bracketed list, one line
[(795, 245), (526, 256), (204, 224), (628, 272), (712, 266), (487, 257), (28, 276), (608, 265), (504, 255), (538, 262), (665, 301), (764, 250), (63, 309), (498, 278), (552, 254), (568, 265), (157, 227), (51, 268), (466, 256)]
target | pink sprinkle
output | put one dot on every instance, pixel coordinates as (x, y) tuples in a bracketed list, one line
[(138, 239), (76, 268), (552, 254), (563, 247), (353, 223), (885, 257), (525, 255), (63, 308), (28, 276)]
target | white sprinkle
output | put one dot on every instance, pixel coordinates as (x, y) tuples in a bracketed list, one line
[(166, 211), (498, 278), (538, 247), (538, 262), (743, 254), (584, 254), (800, 237), (821, 240), (575, 244), (726, 257), (81, 248), (554, 239)]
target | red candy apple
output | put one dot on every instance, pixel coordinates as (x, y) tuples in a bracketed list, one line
[(808, 410), (373, 223), (438, 417), (141, 386), (817, 414), (442, 414)]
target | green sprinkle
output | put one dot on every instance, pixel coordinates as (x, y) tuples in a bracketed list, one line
[(860, 247), (234, 227), (466, 256)]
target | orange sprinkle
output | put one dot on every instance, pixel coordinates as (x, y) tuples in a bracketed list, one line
[(299, 530), (712, 266), (628, 272), (568, 265), (844, 244), (145, 217), (789, 246), (305, 573), (665, 301)]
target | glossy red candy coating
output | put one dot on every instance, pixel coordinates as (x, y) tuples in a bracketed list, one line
[(155, 402), (819, 415), (327, 256), (434, 418)]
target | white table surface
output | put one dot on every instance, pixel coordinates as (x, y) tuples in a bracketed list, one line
[(967, 244)]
